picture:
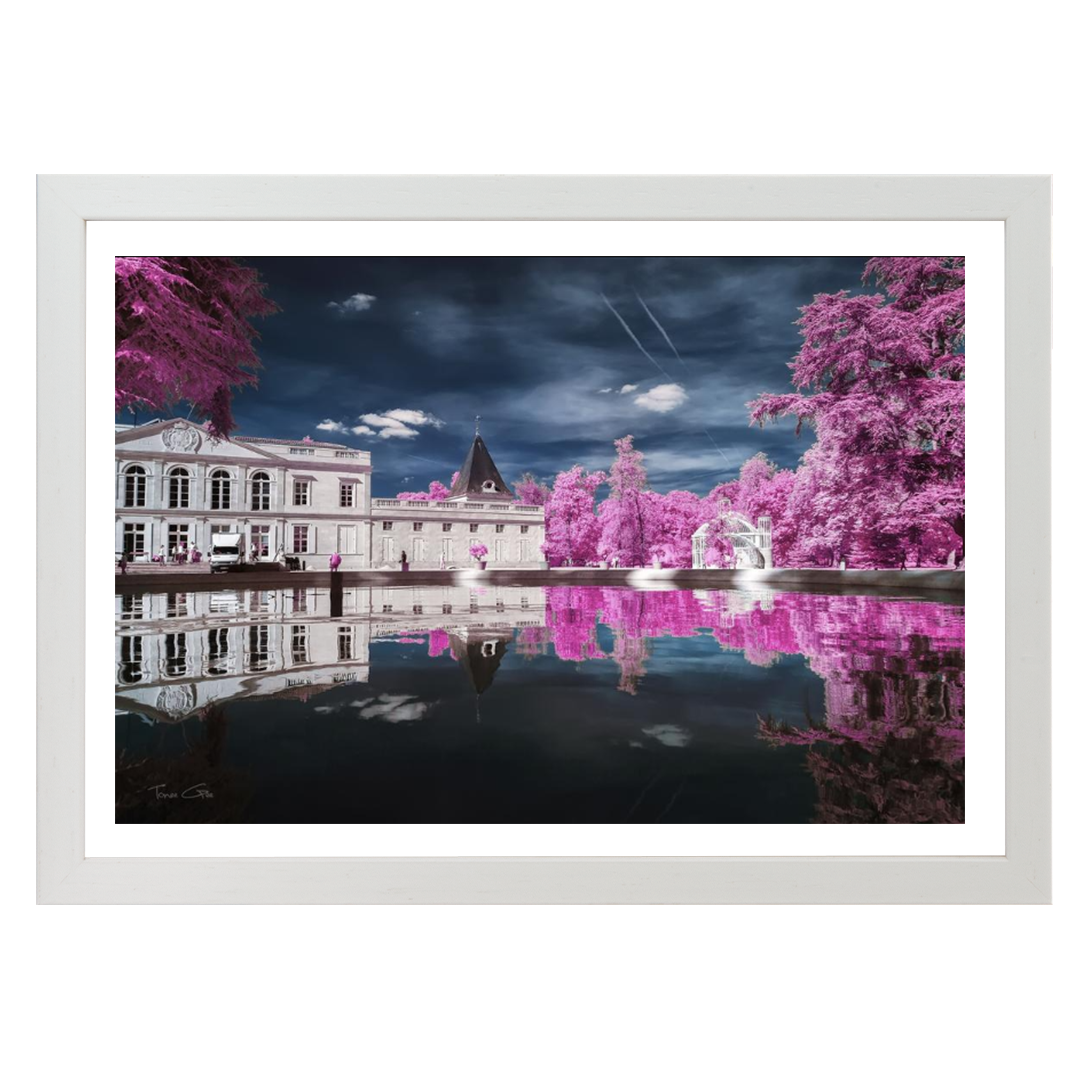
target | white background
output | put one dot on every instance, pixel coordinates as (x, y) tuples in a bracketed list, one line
[(983, 832), (525, 992)]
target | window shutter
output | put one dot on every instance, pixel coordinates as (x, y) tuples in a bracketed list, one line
[(312, 542)]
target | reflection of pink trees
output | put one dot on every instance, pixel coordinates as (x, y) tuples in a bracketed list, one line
[(890, 746)]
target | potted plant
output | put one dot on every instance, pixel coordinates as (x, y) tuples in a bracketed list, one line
[(478, 551)]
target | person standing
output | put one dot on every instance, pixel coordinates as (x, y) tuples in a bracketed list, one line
[(404, 561), (335, 562)]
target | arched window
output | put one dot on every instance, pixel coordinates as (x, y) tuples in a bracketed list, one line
[(260, 491), (220, 490), (179, 488), (134, 486)]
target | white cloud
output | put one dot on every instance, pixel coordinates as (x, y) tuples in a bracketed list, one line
[(394, 708), (668, 734), (628, 388), (606, 390), (414, 417), (330, 425), (397, 423), (662, 398), (355, 304)]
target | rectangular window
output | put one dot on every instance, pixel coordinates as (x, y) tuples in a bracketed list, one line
[(135, 487), (417, 526), (387, 526), (301, 493), (347, 496), (418, 609), (131, 656), (500, 528), (524, 529), (347, 539), (299, 645), (388, 609), (178, 535), (447, 526), (474, 527), (448, 609), (345, 643), (302, 451), (258, 648), (217, 651), (300, 539), (260, 541), (134, 540), (176, 661), (179, 490), (258, 601), (131, 606)]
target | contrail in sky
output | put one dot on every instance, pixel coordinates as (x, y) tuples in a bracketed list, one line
[(656, 323), (713, 441), (633, 338)]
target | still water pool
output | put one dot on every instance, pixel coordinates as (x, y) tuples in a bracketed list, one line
[(526, 704)]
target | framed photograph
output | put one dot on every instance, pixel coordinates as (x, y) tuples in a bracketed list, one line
[(544, 539)]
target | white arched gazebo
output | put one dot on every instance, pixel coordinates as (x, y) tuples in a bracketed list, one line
[(752, 544)]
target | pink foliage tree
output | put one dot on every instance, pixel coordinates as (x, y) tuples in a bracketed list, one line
[(881, 380), (530, 492), (184, 334), (571, 527), (436, 492), (628, 526)]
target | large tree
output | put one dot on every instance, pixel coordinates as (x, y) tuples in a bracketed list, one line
[(183, 334), (880, 378), (627, 515), (571, 527)]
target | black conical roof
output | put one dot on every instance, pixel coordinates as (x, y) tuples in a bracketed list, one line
[(479, 658), (478, 470)]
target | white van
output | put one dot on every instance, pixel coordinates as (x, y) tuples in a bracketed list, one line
[(226, 551)]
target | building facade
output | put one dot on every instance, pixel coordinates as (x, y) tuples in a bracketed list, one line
[(179, 652), (175, 488)]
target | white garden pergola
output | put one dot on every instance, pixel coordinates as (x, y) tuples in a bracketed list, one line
[(752, 544)]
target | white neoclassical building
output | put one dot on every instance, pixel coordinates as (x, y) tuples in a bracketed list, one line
[(306, 499), (480, 509), (175, 486)]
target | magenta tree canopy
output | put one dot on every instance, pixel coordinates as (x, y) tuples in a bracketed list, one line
[(184, 334)]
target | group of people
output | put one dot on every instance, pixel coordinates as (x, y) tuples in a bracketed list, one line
[(183, 554)]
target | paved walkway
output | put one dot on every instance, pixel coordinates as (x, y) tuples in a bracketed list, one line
[(830, 581)]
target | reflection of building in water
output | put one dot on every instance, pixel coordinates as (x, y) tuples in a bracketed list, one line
[(479, 651), (436, 607), (175, 487), (178, 652)]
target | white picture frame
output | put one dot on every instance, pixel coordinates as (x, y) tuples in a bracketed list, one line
[(66, 876)]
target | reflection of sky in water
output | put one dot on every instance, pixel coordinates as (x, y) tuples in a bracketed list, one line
[(407, 737)]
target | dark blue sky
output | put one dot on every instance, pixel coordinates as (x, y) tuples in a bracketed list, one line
[(397, 356)]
